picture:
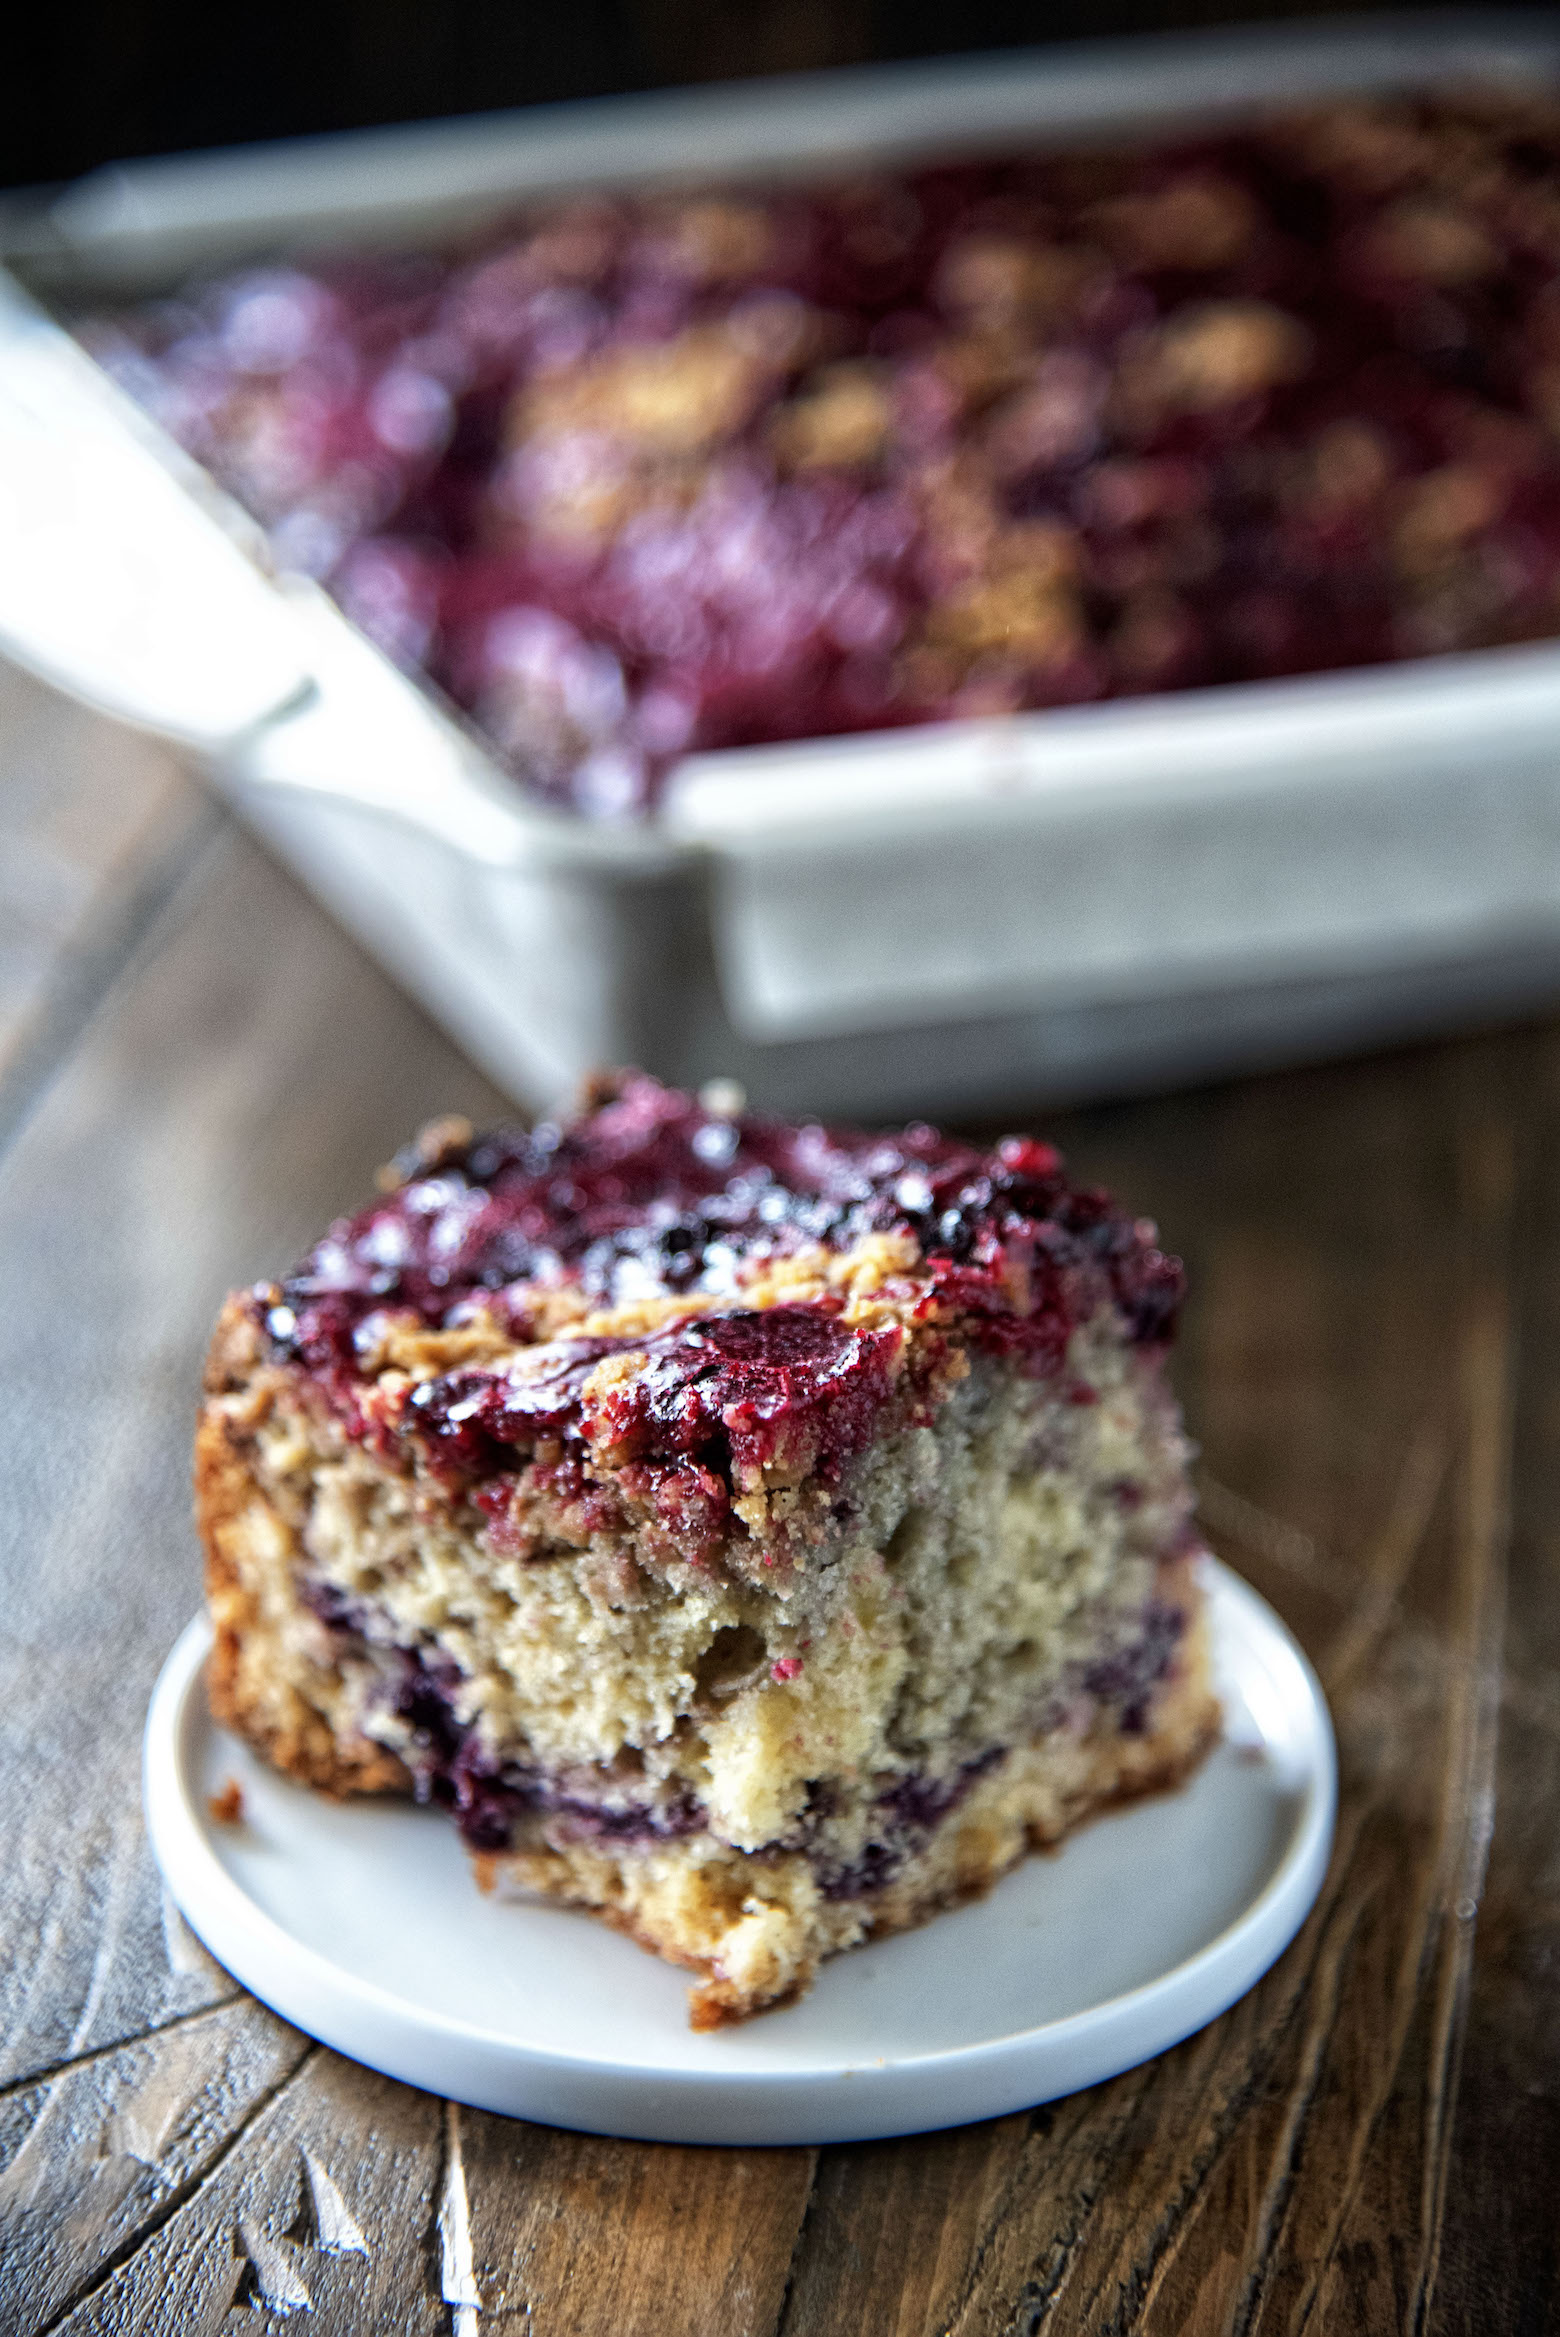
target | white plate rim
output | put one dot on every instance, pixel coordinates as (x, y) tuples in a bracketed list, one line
[(808, 2104)]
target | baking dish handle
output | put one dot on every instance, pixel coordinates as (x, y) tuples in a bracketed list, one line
[(370, 740), (133, 584), (116, 585)]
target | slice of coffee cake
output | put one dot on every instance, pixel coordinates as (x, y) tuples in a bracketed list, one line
[(758, 1534)]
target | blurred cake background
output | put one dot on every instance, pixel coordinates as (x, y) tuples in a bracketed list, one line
[(1027, 573)]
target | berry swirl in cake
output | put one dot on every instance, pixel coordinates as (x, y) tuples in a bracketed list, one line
[(759, 1534)]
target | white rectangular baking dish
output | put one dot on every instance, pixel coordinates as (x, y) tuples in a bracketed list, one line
[(1059, 903)]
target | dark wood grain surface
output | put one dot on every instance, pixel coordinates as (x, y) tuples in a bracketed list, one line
[(196, 1070)]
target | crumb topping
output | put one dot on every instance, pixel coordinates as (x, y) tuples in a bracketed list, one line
[(731, 1301)]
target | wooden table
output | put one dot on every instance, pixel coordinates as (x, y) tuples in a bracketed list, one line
[(196, 1071)]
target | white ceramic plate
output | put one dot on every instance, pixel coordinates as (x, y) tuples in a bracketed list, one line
[(361, 1923)]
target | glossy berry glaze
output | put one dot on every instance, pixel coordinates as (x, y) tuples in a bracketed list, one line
[(648, 475), (652, 1196)]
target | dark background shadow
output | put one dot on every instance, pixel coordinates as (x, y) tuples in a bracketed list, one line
[(89, 81)]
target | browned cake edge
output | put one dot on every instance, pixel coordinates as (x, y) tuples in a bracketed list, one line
[(245, 1692)]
